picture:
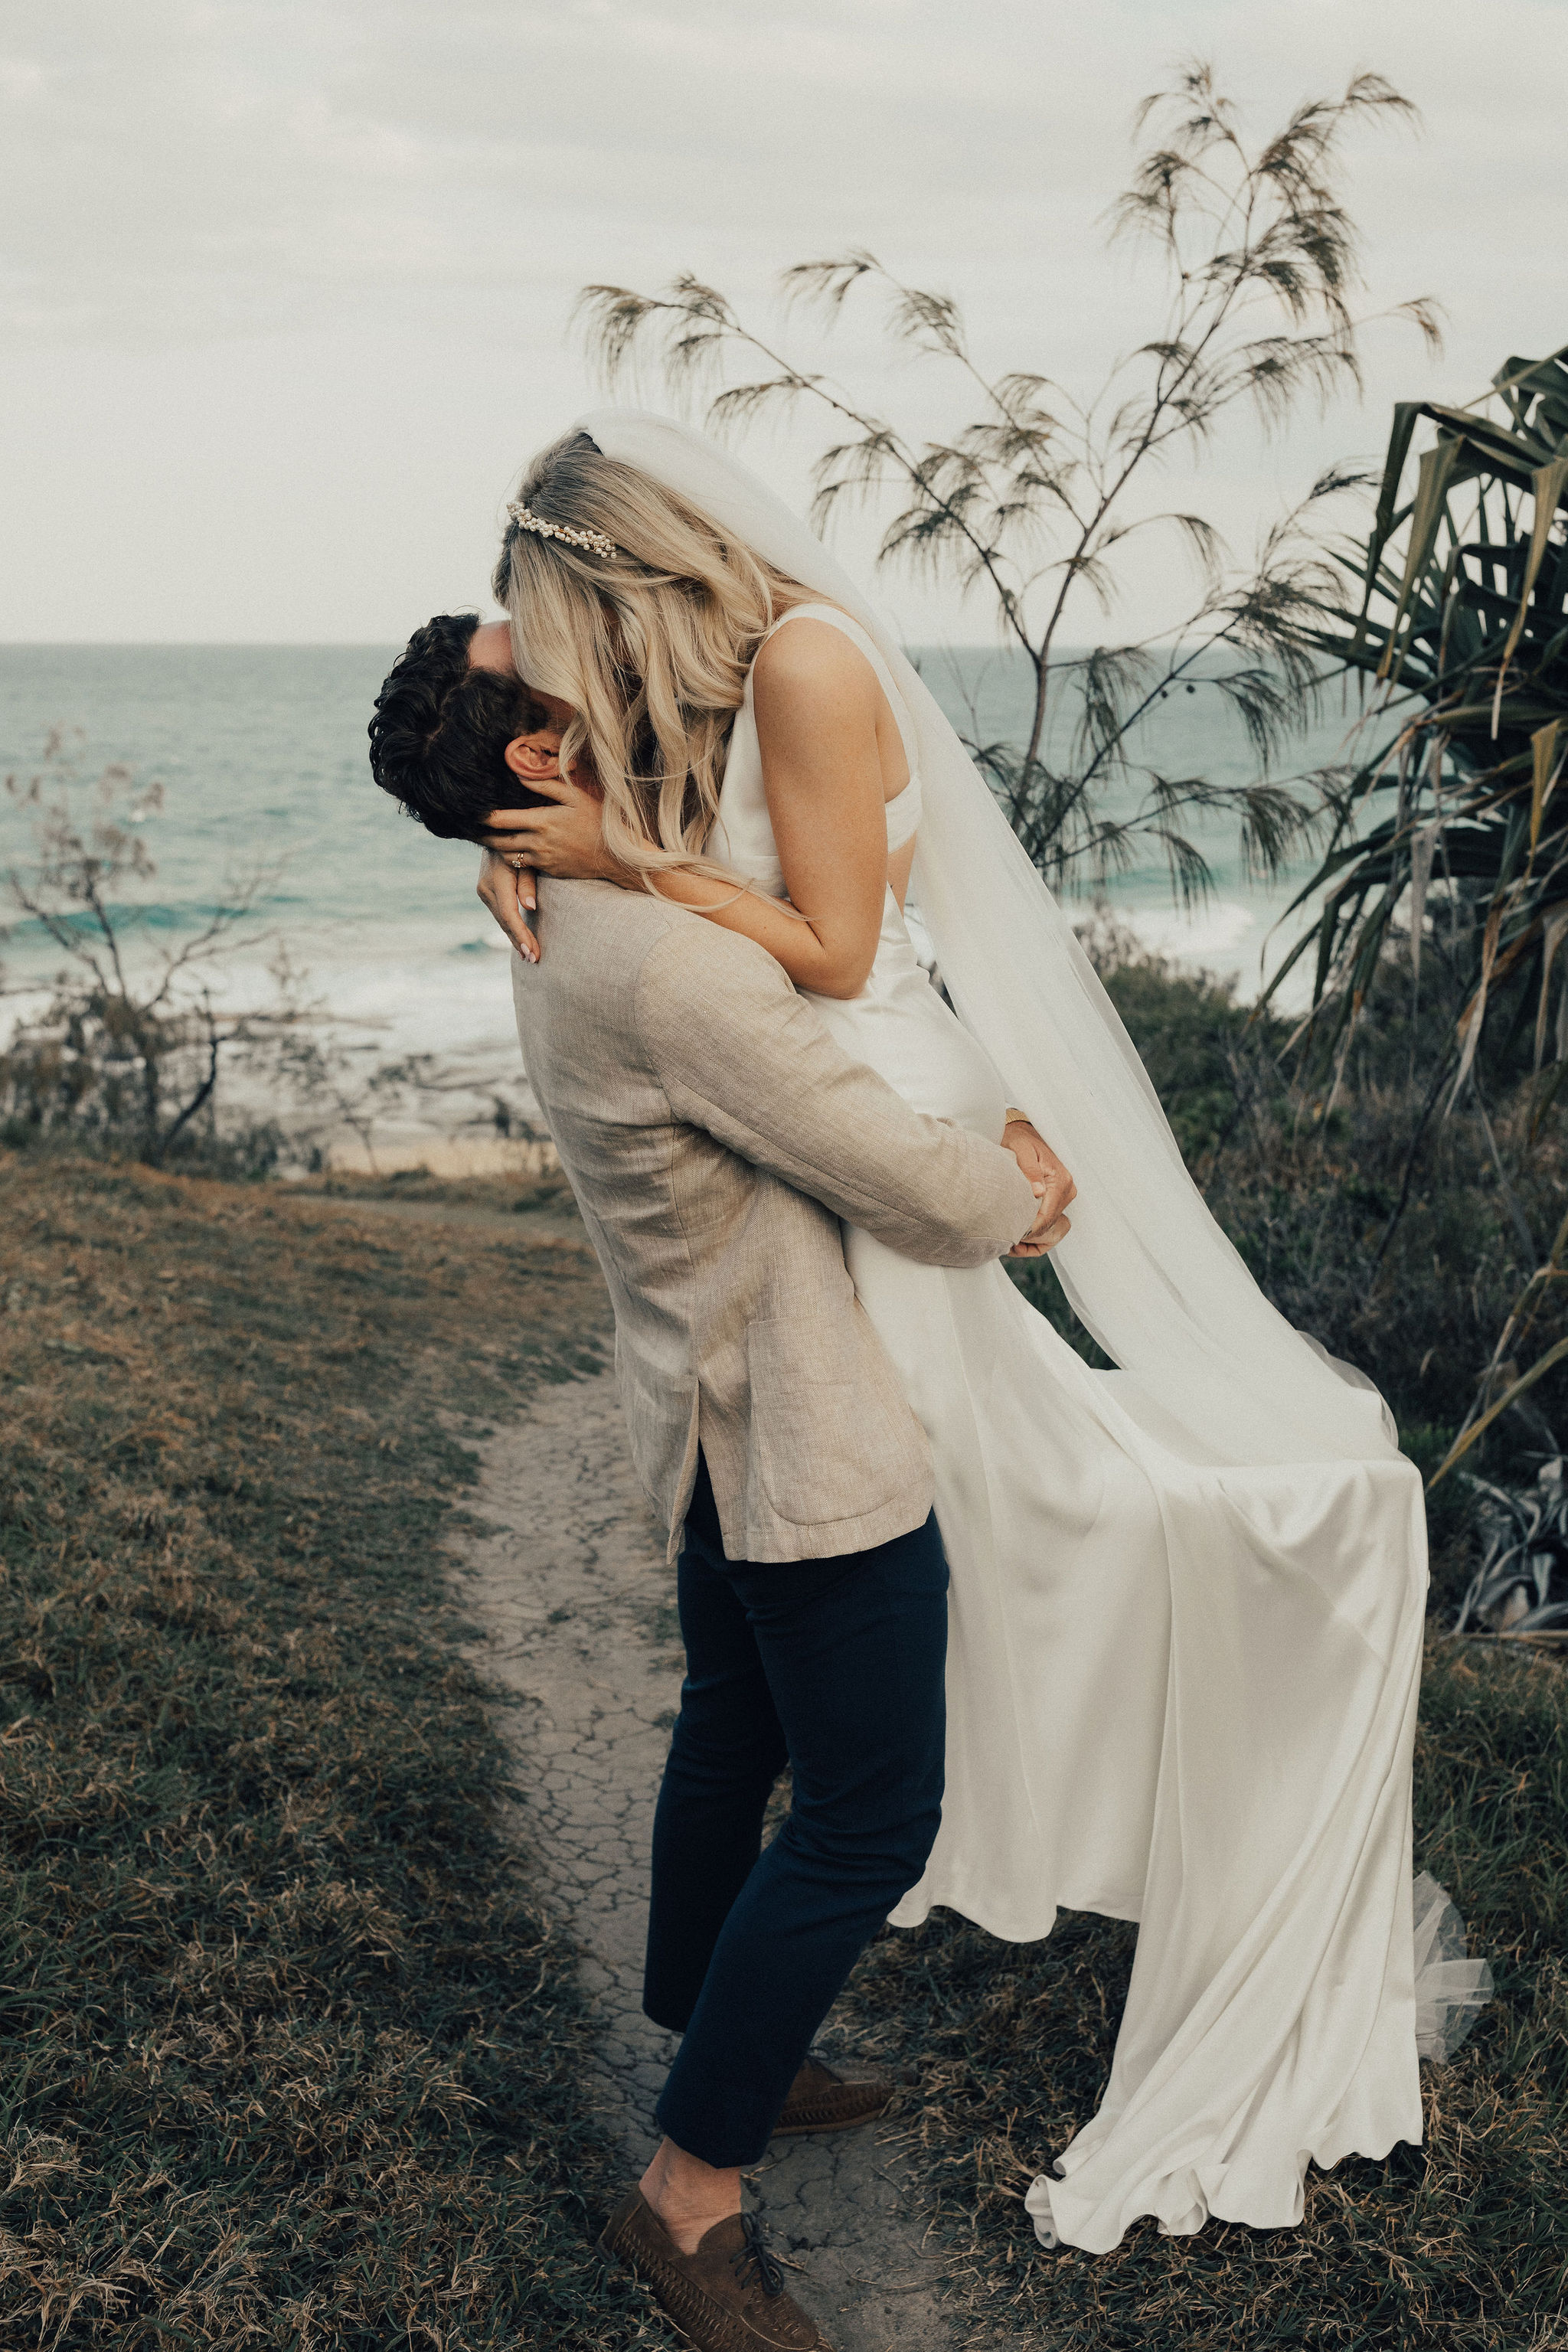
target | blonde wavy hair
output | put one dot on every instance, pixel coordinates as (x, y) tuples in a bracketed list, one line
[(650, 645)]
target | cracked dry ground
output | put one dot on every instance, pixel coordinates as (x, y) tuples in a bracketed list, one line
[(568, 1582)]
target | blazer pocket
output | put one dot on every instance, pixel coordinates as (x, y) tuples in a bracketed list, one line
[(832, 1436)]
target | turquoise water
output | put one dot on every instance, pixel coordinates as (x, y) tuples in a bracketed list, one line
[(260, 751)]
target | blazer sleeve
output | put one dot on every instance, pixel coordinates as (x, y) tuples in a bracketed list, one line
[(740, 1055)]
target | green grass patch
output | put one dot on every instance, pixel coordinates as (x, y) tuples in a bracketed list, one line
[(293, 2057)]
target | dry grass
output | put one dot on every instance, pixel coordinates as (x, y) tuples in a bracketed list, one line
[(292, 2054), (502, 1195)]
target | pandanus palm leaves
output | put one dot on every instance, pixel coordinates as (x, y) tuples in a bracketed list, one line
[(1461, 624)]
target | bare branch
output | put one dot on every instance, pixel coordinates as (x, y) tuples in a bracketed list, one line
[(1031, 501)]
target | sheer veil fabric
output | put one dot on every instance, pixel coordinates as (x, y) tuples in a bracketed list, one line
[(1147, 1268), (1272, 2015)]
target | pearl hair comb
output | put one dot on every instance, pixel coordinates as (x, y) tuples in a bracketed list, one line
[(594, 542)]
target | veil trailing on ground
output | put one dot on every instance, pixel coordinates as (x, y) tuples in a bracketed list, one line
[(1222, 1376)]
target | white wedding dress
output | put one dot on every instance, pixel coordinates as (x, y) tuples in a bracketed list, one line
[(1181, 1687), (1187, 1595)]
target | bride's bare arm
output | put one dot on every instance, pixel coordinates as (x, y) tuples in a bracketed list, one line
[(816, 703)]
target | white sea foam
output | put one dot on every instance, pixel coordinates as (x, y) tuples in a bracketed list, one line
[(262, 754), (1233, 941)]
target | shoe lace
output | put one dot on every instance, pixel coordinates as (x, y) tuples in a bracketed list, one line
[(755, 2262)]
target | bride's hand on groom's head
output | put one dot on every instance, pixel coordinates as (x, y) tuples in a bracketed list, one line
[(559, 832)]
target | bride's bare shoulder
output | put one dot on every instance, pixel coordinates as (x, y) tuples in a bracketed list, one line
[(811, 657)]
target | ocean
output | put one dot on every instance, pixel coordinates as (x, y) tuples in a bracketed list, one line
[(260, 752)]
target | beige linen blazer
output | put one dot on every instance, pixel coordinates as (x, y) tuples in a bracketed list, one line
[(714, 1135)]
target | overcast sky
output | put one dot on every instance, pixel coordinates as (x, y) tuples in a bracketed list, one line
[(286, 283)]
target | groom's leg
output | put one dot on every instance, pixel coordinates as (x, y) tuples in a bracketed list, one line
[(853, 1650), (727, 1751)]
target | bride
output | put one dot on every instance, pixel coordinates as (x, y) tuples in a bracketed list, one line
[(1187, 1595)]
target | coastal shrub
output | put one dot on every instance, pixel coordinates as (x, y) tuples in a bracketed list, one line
[(1411, 1281), (109, 1078), (127, 1055), (161, 1051), (1455, 606)]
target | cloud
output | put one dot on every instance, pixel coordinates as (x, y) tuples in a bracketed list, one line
[(331, 247)]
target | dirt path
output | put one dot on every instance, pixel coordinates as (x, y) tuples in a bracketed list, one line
[(570, 1585)]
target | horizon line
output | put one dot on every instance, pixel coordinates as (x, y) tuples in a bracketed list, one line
[(303, 645), (912, 645)]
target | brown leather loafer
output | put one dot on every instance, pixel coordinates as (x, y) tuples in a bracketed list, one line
[(728, 2296), (820, 2100)]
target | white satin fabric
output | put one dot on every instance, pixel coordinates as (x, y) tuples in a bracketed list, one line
[(1187, 1596)]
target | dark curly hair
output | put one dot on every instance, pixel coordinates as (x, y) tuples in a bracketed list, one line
[(439, 739)]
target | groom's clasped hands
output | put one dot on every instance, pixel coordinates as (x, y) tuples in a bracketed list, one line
[(1054, 1188)]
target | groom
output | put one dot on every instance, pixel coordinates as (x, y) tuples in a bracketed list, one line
[(714, 1136)]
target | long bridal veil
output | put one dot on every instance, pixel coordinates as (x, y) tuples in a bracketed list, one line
[(1146, 1269), (1273, 2009)]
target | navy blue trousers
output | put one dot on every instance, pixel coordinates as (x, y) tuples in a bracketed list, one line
[(835, 1667)]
